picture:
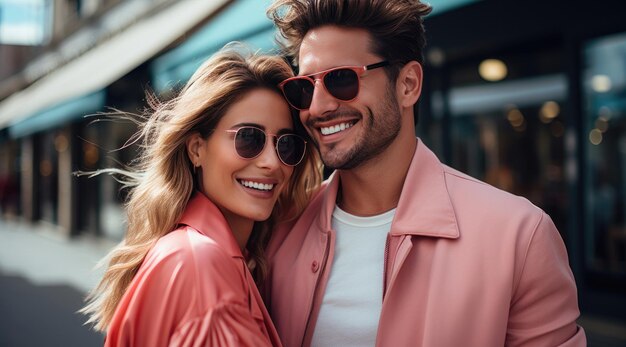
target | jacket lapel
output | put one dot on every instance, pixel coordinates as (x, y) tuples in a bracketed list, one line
[(202, 215), (425, 208)]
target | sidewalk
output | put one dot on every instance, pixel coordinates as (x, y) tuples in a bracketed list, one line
[(45, 257), (44, 278)]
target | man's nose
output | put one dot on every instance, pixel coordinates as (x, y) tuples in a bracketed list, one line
[(322, 101)]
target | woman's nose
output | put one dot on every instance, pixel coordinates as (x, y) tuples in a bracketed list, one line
[(269, 158)]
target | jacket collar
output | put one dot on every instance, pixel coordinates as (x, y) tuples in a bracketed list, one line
[(202, 215), (424, 207)]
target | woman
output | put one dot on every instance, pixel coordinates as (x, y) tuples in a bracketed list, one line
[(219, 165)]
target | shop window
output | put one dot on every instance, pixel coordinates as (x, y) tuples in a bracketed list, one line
[(47, 168), (604, 90), (507, 121)]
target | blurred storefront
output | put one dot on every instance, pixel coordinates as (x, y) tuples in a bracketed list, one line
[(96, 58), (528, 96), (531, 97)]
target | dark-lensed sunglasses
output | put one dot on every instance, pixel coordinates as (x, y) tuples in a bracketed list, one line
[(250, 142), (341, 82)]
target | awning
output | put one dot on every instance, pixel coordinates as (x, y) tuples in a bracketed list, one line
[(243, 21), (59, 114), (107, 62)]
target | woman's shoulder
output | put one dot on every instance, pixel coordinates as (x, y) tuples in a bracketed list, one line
[(189, 246), (193, 260), (184, 277)]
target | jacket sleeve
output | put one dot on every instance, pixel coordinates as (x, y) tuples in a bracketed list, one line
[(544, 307)]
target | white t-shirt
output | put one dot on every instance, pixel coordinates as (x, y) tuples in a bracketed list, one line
[(354, 293)]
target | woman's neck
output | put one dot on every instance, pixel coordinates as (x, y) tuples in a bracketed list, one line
[(240, 227)]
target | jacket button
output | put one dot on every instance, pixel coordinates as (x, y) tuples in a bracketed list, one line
[(315, 266)]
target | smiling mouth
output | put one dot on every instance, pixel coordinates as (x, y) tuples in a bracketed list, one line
[(264, 187), (333, 129)]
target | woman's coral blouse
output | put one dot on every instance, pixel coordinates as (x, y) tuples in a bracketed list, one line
[(193, 289)]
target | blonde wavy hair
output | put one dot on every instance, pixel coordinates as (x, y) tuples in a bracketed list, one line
[(161, 179)]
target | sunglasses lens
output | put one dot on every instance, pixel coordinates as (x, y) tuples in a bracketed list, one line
[(249, 142), (290, 148), (343, 84), (299, 93)]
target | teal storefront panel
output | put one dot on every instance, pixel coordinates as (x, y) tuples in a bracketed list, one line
[(244, 21), (58, 115), (441, 6)]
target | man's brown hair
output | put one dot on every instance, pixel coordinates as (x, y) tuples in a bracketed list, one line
[(396, 26)]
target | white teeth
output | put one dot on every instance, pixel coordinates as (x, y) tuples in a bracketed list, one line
[(257, 185), (335, 129)]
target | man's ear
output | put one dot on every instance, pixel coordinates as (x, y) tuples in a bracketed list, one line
[(194, 145), (409, 84)]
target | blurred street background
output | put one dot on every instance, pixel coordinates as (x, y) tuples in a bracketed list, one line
[(43, 281), (529, 96)]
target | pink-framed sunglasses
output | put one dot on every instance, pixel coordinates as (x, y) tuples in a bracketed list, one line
[(341, 82), (250, 142)]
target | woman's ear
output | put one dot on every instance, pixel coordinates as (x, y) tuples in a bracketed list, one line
[(409, 84), (194, 144)]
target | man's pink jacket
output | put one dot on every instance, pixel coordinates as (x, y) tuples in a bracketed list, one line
[(466, 265), (193, 289)]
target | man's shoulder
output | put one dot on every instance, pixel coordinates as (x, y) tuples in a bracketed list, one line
[(473, 193), (490, 217)]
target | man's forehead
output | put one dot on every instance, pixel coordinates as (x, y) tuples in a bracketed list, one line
[(330, 46)]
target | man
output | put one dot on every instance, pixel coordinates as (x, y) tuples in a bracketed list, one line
[(397, 249)]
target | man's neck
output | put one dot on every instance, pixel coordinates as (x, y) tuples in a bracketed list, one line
[(375, 186)]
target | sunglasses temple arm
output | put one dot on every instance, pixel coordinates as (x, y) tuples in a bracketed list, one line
[(377, 65)]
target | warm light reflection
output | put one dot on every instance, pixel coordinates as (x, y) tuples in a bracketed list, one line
[(45, 168), (492, 70), (595, 136), (489, 138), (602, 124), (91, 154), (61, 143), (435, 56), (601, 83), (549, 110), (515, 117)]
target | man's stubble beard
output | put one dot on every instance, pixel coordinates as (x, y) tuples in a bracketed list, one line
[(377, 134)]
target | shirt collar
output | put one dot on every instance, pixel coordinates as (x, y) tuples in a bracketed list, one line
[(202, 215)]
